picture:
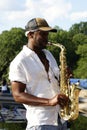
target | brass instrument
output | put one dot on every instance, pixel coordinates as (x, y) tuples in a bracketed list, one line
[(71, 110)]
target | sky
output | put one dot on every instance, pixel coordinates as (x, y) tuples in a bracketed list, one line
[(62, 13)]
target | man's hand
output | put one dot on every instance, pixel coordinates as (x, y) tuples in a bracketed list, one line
[(60, 99), (63, 100)]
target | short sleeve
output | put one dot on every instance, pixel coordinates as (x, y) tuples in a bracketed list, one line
[(16, 72)]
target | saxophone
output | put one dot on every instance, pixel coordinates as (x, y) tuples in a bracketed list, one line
[(71, 110)]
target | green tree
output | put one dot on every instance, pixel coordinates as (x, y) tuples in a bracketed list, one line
[(78, 28), (81, 66), (79, 39), (11, 43)]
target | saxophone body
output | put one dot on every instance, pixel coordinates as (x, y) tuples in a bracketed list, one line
[(71, 110)]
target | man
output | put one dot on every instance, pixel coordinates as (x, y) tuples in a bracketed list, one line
[(34, 76)]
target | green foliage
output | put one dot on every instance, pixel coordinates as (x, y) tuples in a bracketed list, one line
[(79, 28), (12, 126), (79, 124), (81, 65), (11, 43), (79, 39), (52, 37)]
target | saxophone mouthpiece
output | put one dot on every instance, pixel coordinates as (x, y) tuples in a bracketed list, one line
[(49, 44)]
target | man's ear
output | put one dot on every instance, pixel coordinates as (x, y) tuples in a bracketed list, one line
[(30, 34)]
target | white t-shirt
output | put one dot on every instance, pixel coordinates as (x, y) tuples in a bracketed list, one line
[(28, 69)]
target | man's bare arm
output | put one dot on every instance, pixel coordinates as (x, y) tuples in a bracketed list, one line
[(19, 94)]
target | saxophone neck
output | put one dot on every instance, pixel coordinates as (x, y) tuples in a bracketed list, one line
[(59, 45)]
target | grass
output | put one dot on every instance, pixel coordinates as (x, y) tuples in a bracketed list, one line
[(79, 124), (12, 126)]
